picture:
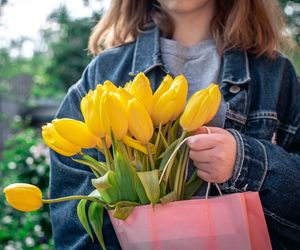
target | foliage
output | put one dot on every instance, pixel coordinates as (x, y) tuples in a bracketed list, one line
[(67, 47), (24, 159), (292, 11)]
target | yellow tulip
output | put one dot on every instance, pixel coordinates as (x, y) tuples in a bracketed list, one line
[(97, 94), (180, 86), (142, 91), (90, 112), (215, 99), (165, 108), (163, 87), (104, 115), (196, 111), (127, 86), (124, 96), (139, 121), (23, 197), (137, 145), (109, 86), (75, 132), (117, 116), (134, 144), (57, 142)]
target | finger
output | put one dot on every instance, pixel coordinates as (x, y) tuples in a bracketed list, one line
[(201, 141), (209, 130), (202, 130), (203, 166), (202, 156)]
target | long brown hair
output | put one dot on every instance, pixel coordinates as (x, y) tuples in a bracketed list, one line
[(257, 26)]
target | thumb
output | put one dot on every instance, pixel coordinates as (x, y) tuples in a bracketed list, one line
[(209, 130)]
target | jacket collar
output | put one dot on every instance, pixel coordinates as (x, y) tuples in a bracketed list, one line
[(147, 51), (235, 67), (147, 56)]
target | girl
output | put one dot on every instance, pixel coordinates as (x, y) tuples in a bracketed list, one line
[(254, 144)]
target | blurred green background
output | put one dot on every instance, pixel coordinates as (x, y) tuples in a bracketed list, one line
[(31, 88)]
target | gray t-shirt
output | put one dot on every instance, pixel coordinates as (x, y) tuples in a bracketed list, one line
[(200, 65)]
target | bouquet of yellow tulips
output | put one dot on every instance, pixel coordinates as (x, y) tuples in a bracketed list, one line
[(142, 137)]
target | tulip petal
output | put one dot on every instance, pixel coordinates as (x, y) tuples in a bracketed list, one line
[(117, 116), (142, 91), (23, 197), (163, 87), (134, 144), (75, 132), (57, 142), (215, 99), (196, 111), (109, 86), (139, 122)]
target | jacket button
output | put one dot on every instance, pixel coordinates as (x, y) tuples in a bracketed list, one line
[(234, 89)]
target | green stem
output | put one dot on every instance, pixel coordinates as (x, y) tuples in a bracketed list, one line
[(181, 171), (150, 156), (106, 153), (70, 198), (167, 169)]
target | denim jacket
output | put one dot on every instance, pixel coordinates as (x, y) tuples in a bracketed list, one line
[(263, 114)]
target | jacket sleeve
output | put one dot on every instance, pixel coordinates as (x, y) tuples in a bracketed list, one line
[(274, 170), (70, 178)]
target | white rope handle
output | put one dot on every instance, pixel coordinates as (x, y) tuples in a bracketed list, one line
[(171, 157), (209, 183)]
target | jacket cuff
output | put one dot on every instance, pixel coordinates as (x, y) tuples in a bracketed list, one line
[(250, 167)]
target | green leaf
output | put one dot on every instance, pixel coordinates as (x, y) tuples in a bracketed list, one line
[(86, 163), (96, 166), (126, 204), (174, 131), (122, 213), (193, 184), (141, 192), (83, 218), (172, 196), (180, 172), (107, 187), (150, 182), (95, 214), (166, 154), (125, 178)]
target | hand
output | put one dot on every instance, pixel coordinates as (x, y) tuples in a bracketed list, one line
[(213, 154)]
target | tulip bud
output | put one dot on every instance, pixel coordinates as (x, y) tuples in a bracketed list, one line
[(139, 122), (109, 86), (180, 86), (117, 116), (127, 86), (56, 142), (165, 108), (142, 91), (163, 87), (23, 197), (98, 92), (196, 111), (75, 132), (124, 96), (215, 99), (90, 111), (104, 115), (170, 104)]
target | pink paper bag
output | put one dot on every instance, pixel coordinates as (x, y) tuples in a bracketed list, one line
[(233, 221)]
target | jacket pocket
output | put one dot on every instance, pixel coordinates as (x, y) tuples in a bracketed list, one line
[(262, 125)]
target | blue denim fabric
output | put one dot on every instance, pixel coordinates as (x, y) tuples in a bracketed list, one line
[(263, 114)]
